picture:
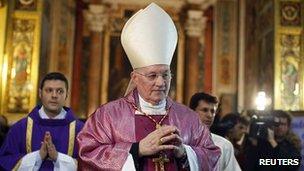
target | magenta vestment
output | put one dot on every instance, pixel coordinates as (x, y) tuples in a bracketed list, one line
[(109, 133)]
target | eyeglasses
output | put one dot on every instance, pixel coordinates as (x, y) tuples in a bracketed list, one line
[(153, 76), (206, 109)]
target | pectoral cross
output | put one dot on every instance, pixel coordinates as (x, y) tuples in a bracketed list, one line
[(160, 162), (157, 126)]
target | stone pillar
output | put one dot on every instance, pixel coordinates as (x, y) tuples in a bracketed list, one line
[(195, 26), (97, 18), (77, 62)]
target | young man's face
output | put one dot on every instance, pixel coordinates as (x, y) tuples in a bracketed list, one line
[(239, 130), (53, 95), (206, 112)]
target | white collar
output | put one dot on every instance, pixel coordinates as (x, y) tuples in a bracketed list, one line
[(151, 109), (43, 115)]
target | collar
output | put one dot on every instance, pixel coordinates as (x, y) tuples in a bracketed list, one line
[(151, 109), (43, 115)]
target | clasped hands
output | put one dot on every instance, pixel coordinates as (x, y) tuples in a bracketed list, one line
[(47, 148), (164, 138)]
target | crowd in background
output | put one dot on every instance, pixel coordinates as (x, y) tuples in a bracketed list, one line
[(261, 136), (272, 138)]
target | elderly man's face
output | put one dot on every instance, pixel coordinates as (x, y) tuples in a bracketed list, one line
[(152, 82)]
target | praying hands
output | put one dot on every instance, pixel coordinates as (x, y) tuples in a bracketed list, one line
[(47, 148), (163, 138)]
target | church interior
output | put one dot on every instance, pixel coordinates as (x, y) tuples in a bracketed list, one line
[(244, 52)]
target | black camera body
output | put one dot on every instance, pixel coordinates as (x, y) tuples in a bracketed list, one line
[(260, 122)]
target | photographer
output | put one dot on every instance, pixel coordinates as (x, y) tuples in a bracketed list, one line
[(234, 127), (273, 147)]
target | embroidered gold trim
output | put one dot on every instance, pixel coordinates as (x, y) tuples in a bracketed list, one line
[(29, 130), (71, 138), (17, 165)]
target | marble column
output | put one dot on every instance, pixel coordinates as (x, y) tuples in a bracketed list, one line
[(78, 61), (97, 18), (195, 25)]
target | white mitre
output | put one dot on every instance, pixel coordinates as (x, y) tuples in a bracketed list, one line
[(149, 37)]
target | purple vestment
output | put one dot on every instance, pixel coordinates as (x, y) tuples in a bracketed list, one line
[(106, 138), (14, 147)]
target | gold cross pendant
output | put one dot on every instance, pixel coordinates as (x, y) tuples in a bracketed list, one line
[(160, 162), (158, 126)]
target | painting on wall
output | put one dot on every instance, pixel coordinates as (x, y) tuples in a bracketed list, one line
[(288, 56), (20, 74), (290, 72), (19, 80)]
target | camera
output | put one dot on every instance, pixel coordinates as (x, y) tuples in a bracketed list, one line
[(260, 122)]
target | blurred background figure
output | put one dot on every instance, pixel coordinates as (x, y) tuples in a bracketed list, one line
[(206, 106), (270, 137), (283, 132), (3, 128), (234, 127)]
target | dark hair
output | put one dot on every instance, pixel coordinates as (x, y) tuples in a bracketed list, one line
[(229, 121), (54, 76), (202, 96), (282, 114)]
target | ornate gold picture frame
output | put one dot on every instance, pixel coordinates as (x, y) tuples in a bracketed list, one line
[(20, 62)]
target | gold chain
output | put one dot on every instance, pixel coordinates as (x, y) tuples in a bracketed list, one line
[(157, 124)]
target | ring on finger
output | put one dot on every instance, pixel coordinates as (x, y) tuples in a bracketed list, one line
[(160, 142)]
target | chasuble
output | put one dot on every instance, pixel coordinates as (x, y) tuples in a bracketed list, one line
[(25, 137), (106, 139)]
